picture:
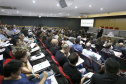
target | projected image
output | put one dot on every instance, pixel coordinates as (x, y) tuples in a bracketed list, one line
[(87, 22)]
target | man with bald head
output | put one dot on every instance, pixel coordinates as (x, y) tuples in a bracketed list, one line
[(54, 46), (61, 56), (88, 52)]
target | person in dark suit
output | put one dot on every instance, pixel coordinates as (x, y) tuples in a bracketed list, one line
[(100, 31), (110, 76), (54, 46)]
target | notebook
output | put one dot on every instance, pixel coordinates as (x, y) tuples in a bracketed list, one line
[(117, 53), (53, 79), (1, 57), (80, 61), (36, 57), (35, 49), (90, 74), (32, 45), (41, 66)]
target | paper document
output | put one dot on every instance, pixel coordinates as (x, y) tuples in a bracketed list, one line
[(35, 49), (117, 53), (37, 57), (32, 45), (80, 61), (41, 66), (53, 80), (1, 57), (89, 74), (97, 56)]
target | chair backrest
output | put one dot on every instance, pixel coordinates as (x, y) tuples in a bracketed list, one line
[(55, 60), (1, 78), (121, 61), (104, 55), (106, 27), (96, 66), (94, 49), (7, 61), (117, 28), (87, 61), (12, 55), (61, 69), (110, 27)]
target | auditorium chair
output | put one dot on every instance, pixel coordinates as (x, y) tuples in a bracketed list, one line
[(94, 49), (96, 66), (1, 78), (117, 28), (7, 61), (87, 61), (61, 69), (106, 27), (122, 63), (110, 27), (102, 27), (104, 55)]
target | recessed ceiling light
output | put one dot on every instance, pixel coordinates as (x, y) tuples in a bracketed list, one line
[(2, 10), (57, 4), (68, 14), (34, 1), (7, 12), (41, 14), (17, 12), (89, 5), (75, 6), (101, 8), (51, 14), (30, 13), (60, 13)]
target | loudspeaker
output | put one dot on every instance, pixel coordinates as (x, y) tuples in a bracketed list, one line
[(63, 3)]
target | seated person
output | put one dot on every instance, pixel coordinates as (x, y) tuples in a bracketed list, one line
[(9, 31), (65, 39), (81, 42), (120, 48), (61, 56), (23, 57), (48, 42), (2, 36), (13, 75), (71, 41), (77, 46), (89, 53), (108, 50), (16, 44), (71, 70), (54, 46), (110, 76)]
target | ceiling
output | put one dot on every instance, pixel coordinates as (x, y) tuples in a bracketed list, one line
[(49, 8)]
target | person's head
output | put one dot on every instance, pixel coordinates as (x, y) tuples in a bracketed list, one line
[(21, 55), (44, 38), (54, 42), (13, 69), (77, 41), (16, 41), (10, 28), (108, 45), (65, 47), (1, 30), (73, 58), (49, 39), (112, 66), (120, 44), (120, 41), (88, 45), (21, 36), (100, 27), (65, 38), (72, 39)]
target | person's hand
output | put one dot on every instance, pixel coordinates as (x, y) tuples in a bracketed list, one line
[(37, 75), (45, 74)]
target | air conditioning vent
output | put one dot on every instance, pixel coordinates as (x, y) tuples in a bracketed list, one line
[(7, 7)]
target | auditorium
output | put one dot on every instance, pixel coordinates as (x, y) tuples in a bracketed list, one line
[(62, 42)]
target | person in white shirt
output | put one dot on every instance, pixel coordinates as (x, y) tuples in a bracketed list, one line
[(89, 53)]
